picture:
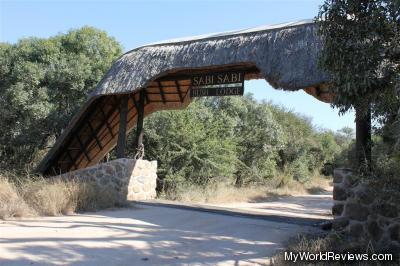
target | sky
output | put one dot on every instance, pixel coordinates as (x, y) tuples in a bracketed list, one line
[(135, 23)]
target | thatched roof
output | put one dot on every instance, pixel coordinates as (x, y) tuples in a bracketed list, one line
[(285, 55)]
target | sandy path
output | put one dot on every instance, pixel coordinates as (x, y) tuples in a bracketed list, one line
[(143, 235), (303, 206)]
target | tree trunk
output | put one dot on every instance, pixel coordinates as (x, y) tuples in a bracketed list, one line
[(123, 115), (363, 137)]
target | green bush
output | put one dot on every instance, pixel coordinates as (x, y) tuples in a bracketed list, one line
[(235, 139), (299, 170)]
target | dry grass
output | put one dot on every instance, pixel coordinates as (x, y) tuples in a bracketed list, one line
[(11, 204), (31, 196), (225, 193), (330, 242), (49, 198), (312, 244)]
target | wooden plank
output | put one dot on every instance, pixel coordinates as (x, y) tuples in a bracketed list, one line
[(105, 121), (139, 122)]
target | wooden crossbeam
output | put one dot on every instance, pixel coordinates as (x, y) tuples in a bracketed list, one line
[(83, 148), (94, 135)]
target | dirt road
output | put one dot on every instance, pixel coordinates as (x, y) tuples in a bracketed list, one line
[(154, 235)]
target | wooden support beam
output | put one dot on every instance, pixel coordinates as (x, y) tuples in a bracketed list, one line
[(94, 135), (146, 95), (139, 123), (96, 130), (83, 148), (161, 91), (135, 103), (70, 157), (178, 88), (123, 120), (54, 160)]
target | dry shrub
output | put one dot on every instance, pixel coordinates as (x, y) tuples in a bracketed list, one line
[(331, 242), (11, 204), (313, 244), (29, 195), (220, 192), (49, 197)]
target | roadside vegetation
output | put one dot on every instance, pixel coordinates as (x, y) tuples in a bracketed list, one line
[(272, 189), (334, 242), (218, 146), (37, 196)]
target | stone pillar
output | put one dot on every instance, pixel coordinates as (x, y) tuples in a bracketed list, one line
[(340, 194), (129, 179)]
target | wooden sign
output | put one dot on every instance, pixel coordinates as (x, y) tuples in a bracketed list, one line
[(217, 84)]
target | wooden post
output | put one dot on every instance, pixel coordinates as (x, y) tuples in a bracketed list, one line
[(123, 115), (139, 122), (363, 137)]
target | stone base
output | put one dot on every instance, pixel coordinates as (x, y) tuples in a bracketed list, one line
[(362, 213), (130, 179)]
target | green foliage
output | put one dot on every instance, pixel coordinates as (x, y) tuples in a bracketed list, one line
[(362, 54), (193, 144), (235, 140), (362, 51), (42, 84)]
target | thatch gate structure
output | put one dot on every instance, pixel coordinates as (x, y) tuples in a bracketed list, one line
[(157, 77)]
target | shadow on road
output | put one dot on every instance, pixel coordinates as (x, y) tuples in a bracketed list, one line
[(142, 236)]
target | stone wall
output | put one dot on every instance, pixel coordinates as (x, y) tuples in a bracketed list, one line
[(364, 212), (129, 179)]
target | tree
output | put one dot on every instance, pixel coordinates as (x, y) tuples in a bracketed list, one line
[(192, 145), (42, 84), (361, 53), (257, 134)]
